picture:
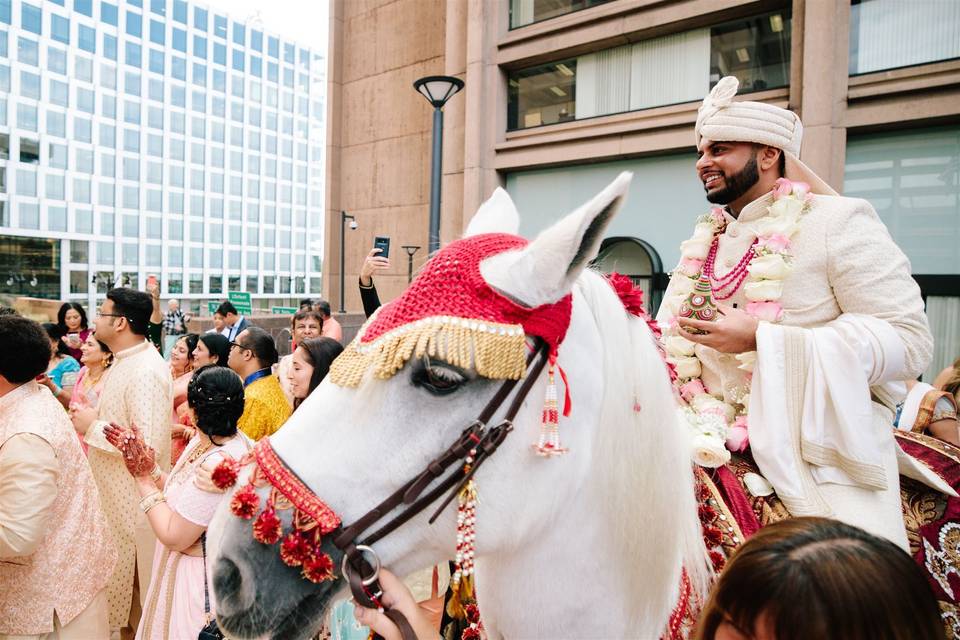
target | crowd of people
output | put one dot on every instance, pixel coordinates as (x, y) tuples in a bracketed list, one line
[(101, 481), (107, 447)]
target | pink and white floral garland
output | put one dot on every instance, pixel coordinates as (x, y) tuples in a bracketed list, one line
[(717, 426)]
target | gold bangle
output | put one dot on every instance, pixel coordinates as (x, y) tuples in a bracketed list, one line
[(155, 473), (151, 501)]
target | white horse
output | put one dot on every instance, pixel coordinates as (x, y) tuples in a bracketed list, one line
[(590, 544)]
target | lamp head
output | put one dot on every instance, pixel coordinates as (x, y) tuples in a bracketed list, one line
[(353, 224), (438, 89)]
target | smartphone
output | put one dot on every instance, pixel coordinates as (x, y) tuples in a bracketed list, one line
[(73, 340), (151, 280), (382, 243)]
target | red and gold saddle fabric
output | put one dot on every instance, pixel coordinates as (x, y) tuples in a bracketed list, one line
[(730, 514)]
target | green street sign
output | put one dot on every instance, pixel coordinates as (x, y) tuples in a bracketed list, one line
[(242, 301), (283, 310), (212, 307)]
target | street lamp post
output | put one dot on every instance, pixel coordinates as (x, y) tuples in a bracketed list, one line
[(344, 216), (437, 90), (410, 249)]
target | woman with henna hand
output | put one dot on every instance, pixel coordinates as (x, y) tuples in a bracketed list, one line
[(178, 511)]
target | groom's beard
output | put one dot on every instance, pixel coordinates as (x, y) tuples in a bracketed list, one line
[(737, 184)]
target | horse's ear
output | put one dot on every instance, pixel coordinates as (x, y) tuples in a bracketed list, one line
[(546, 269), (497, 215)]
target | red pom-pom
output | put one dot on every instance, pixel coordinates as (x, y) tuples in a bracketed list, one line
[(706, 512), (712, 536), (718, 560), (224, 474), (318, 568), (245, 502), (470, 633), (295, 549), (630, 296), (267, 528), (473, 613)]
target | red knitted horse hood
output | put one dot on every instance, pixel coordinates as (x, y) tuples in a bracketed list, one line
[(449, 311)]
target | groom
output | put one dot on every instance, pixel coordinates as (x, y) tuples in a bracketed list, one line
[(814, 318)]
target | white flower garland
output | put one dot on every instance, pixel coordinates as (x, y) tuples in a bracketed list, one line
[(718, 427)]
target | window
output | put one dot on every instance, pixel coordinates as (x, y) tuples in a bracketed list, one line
[(131, 198), (200, 47), (156, 61), (83, 6), (29, 85), (107, 222), (31, 18), (174, 257), (154, 173), (273, 47), (155, 117), (180, 40), (56, 218), (104, 251), (28, 51), (131, 254), (108, 76), (238, 60), (55, 186), (27, 182), (177, 149), (27, 117), (178, 68), (29, 215), (155, 89), (154, 200), (85, 100), (59, 28), (198, 127), (180, 11), (109, 46), (56, 124), (108, 165), (83, 160), (198, 101), (152, 257), (631, 77), (524, 12), (87, 38), (157, 32), (108, 135), (220, 27), (219, 81), (83, 221), (57, 60), (175, 230), (256, 40), (154, 228), (106, 195), (131, 83), (131, 112), (882, 33), (178, 96), (5, 18), (57, 153), (178, 122), (81, 190), (256, 66), (288, 53), (108, 13), (158, 7), (239, 34), (131, 140), (200, 18), (134, 24), (154, 145)]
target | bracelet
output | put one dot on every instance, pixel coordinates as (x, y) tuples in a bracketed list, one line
[(151, 501), (155, 473)]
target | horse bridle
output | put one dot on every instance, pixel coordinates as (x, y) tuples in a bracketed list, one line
[(476, 442)]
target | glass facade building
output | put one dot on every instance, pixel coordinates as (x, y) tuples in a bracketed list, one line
[(158, 137)]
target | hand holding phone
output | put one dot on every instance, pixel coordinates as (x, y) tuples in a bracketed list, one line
[(382, 243)]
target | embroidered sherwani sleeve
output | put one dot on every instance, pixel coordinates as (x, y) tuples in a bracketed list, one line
[(870, 275), (28, 489), (149, 408)]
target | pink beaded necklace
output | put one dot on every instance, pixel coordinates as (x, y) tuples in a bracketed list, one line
[(721, 287)]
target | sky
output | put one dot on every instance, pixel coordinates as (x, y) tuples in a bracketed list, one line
[(303, 21)]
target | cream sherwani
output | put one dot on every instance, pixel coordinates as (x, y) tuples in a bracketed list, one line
[(844, 262), (138, 390)]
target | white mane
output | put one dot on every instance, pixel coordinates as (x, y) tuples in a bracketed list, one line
[(644, 453)]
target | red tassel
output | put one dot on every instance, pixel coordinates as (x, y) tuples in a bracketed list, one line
[(267, 528), (566, 393), (295, 549), (318, 568), (224, 474), (549, 443), (245, 502)]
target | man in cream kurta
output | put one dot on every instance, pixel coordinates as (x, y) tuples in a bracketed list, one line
[(819, 409), (138, 391)]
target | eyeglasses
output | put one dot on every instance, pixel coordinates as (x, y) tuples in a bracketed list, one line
[(239, 346), (101, 314)]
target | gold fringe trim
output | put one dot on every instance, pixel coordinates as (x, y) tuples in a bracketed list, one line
[(493, 350)]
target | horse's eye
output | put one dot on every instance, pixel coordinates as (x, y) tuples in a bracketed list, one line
[(438, 379)]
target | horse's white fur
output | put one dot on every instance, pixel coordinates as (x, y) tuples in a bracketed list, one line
[(586, 545), (497, 215)]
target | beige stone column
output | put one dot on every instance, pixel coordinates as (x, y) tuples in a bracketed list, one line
[(823, 85)]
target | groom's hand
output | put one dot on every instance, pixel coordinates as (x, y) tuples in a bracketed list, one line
[(734, 331)]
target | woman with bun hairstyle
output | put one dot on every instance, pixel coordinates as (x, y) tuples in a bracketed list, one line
[(178, 511)]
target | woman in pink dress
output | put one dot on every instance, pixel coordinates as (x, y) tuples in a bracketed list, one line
[(96, 358), (72, 319), (180, 513), (181, 368)]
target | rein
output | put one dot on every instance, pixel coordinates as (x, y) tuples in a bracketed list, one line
[(474, 446)]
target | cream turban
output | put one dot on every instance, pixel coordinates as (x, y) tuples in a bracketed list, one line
[(722, 119)]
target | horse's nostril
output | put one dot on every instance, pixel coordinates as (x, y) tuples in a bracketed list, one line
[(229, 587)]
